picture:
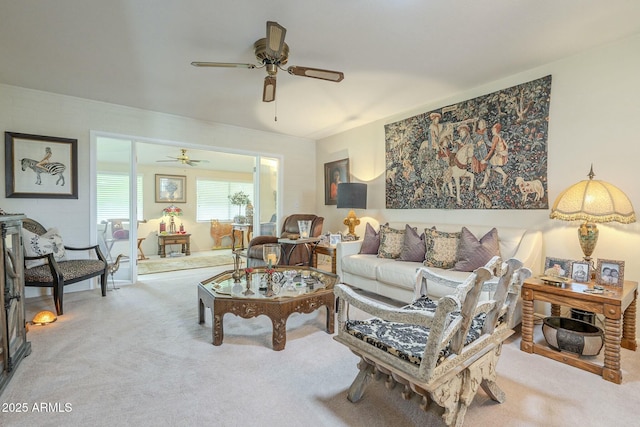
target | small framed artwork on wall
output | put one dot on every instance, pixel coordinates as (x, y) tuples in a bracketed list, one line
[(40, 167), (171, 188), (334, 173)]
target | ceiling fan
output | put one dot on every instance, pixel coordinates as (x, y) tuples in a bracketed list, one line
[(272, 54), (184, 159)]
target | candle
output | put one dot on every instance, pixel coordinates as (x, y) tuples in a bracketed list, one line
[(271, 259)]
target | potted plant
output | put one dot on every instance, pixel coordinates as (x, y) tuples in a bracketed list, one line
[(239, 199)]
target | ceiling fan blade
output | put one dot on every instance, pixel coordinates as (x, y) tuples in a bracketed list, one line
[(316, 73), (269, 90), (275, 39), (167, 160), (222, 64)]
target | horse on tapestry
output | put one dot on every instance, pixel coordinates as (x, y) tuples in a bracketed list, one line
[(459, 168), (53, 168)]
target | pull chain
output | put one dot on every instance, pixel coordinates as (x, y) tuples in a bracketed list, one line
[(275, 114)]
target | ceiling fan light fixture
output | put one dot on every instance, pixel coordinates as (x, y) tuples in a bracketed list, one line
[(269, 91)]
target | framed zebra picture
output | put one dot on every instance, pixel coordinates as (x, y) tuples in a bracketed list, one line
[(40, 167)]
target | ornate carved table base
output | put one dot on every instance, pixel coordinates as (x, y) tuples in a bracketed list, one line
[(278, 309)]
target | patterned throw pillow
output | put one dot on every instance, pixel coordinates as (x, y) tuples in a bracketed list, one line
[(474, 253), (36, 245), (370, 241), (413, 248), (391, 241), (441, 248)]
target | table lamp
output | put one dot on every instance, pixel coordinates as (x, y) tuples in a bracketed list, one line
[(592, 201), (352, 196)]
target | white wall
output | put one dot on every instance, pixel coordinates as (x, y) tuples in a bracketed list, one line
[(595, 108), (41, 113)]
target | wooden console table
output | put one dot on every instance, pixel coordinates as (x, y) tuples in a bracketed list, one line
[(174, 239), (618, 305)]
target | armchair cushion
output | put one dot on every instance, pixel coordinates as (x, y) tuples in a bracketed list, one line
[(48, 243), (405, 340)]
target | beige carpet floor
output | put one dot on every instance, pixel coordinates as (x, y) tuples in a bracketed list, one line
[(138, 357)]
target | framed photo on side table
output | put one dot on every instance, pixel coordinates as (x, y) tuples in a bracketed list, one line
[(171, 188), (580, 271), (40, 167), (610, 272), (334, 173), (334, 239), (557, 267)]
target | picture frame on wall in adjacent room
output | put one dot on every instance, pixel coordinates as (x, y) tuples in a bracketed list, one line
[(334, 173), (40, 167), (171, 188), (610, 272)]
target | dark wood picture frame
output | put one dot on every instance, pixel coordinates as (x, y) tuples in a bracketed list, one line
[(171, 188), (334, 173), (604, 278), (40, 167)]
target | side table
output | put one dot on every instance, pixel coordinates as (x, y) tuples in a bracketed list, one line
[(329, 251), (289, 245), (174, 239), (617, 304)]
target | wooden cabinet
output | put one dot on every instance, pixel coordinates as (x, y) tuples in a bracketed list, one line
[(13, 336)]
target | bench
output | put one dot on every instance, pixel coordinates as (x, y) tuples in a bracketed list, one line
[(441, 350)]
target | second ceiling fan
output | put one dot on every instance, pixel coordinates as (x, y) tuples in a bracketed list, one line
[(272, 54)]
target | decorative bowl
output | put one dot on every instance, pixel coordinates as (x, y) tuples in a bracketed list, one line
[(574, 336)]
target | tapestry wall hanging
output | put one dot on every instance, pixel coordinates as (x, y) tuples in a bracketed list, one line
[(489, 152)]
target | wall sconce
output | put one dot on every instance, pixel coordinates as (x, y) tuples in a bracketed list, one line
[(592, 201), (44, 317), (352, 196)]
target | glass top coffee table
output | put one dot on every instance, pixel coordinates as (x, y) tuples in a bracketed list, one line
[(305, 296)]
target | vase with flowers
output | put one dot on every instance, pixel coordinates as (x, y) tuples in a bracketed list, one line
[(172, 212), (239, 199)]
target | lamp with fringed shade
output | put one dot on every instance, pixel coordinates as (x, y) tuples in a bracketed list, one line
[(592, 201)]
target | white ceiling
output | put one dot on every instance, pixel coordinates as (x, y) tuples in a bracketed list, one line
[(396, 54)]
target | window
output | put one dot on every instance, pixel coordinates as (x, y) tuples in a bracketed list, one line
[(213, 199), (110, 202)]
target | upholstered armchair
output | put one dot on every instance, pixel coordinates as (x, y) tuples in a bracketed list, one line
[(289, 227), (46, 263)]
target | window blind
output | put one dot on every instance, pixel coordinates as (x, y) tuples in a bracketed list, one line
[(213, 199)]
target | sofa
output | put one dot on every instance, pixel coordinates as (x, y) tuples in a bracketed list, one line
[(396, 279)]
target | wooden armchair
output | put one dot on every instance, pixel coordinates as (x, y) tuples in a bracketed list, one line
[(441, 350), (58, 273)]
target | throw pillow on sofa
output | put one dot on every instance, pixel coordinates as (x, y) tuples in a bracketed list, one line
[(441, 248), (36, 245), (391, 241), (413, 248), (474, 253), (370, 241)]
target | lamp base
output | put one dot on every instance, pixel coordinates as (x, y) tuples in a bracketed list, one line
[(588, 237), (352, 221)]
